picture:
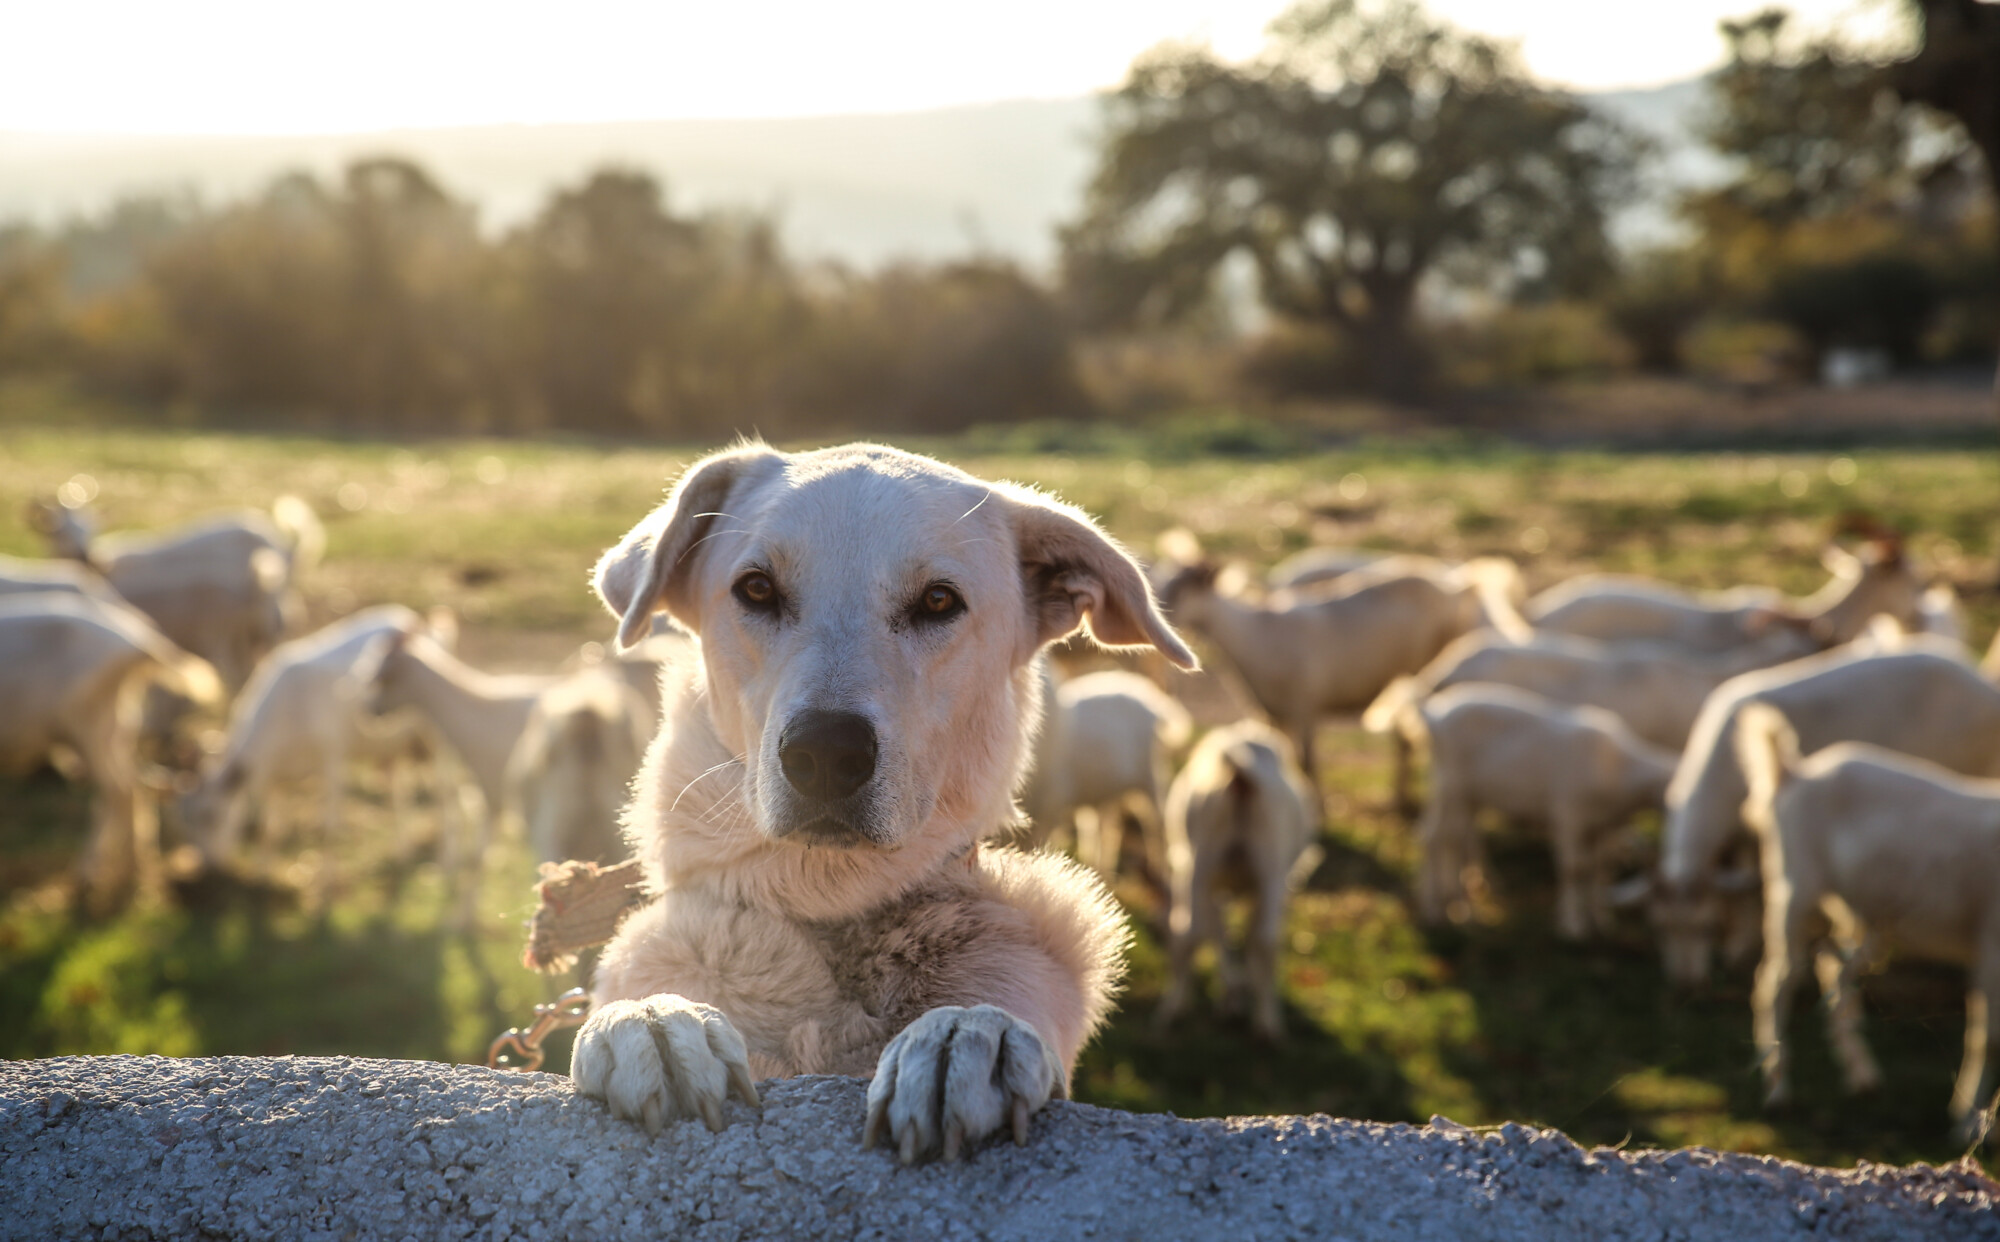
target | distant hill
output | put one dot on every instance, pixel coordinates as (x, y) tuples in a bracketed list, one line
[(865, 189)]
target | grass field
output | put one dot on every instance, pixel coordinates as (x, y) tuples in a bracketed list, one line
[(1492, 1021)]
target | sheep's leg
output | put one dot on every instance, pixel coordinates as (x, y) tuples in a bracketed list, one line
[(1095, 839), (1570, 840), (1440, 873), (1968, 1094), (1191, 920), (468, 877), (1302, 741), (1785, 915), (396, 770), (1267, 925), (1837, 972), (108, 868), (333, 781), (1403, 780)]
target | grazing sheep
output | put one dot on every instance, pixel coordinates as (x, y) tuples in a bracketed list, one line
[(1657, 689), (1889, 849), (1314, 566), (1239, 821), (1303, 659), (1579, 771), (300, 717), (1622, 609), (223, 588), (1923, 700), (1104, 746), (571, 773), (478, 715), (73, 675), (26, 576)]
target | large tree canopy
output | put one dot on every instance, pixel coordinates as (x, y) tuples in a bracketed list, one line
[(1369, 147)]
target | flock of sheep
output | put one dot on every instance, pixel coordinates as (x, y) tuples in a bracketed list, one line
[(1818, 761)]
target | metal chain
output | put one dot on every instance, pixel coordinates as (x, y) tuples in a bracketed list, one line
[(520, 1051)]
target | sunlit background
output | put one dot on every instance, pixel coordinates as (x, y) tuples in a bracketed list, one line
[(1671, 289)]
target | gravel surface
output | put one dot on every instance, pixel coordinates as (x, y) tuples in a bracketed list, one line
[(336, 1148)]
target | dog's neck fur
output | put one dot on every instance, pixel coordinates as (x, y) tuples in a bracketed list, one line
[(691, 827)]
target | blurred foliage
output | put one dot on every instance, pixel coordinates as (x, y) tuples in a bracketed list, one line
[(1850, 216), (375, 302), (1370, 148), (1378, 205)]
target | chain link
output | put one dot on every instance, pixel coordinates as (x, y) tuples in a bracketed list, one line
[(520, 1051)]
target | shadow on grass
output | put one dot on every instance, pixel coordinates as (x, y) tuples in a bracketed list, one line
[(1591, 1039)]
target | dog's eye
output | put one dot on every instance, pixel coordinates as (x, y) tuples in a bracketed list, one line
[(756, 591), (939, 603)]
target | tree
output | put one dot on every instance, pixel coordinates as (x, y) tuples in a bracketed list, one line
[(1957, 70), (1369, 148), (1844, 213)]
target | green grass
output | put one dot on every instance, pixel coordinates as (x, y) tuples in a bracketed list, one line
[(1492, 1021)]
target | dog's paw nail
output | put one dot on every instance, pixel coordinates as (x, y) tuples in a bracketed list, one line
[(954, 1139), (910, 1145), (711, 1115), (1020, 1121)]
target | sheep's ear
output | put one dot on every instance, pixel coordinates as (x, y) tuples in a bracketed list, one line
[(1840, 562), (441, 620), (1635, 891), (1075, 575), (650, 567)]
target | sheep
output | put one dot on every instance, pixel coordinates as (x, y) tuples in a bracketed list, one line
[(24, 576), (1655, 688), (1614, 608), (299, 717), (73, 674), (1104, 745), (1578, 770), (1239, 818), (1314, 566), (1302, 659), (1888, 848), (222, 588), (1922, 699), (570, 774), (479, 716)]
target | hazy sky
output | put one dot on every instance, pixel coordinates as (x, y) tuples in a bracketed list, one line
[(255, 66)]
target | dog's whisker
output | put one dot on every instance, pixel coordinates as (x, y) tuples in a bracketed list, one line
[(698, 779), (974, 509)]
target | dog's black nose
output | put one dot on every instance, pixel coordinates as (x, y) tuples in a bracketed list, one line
[(828, 755)]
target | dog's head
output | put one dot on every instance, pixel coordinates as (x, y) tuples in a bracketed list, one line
[(867, 620)]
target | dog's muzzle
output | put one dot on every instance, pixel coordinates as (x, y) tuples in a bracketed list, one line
[(827, 756)]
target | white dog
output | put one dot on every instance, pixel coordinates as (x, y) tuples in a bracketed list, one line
[(810, 815)]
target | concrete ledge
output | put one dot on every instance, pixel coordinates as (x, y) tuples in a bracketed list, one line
[(242, 1147)]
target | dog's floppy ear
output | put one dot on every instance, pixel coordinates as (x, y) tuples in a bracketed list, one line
[(649, 568), (1074, 574)]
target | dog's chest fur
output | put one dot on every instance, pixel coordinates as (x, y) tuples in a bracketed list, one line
[(905, 957)]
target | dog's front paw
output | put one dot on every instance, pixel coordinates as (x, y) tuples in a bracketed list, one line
[(661, 1058), (955, 1076)]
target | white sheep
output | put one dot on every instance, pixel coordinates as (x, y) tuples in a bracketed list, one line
[(1657, 689), (1302, 659), (479, 716), (1888, 848), (1580, 772), (298, 718), (73, 675), (1104, 747), (1240, 821), (222, 588), (570, 774), (1922, 699), (1613, 608)]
